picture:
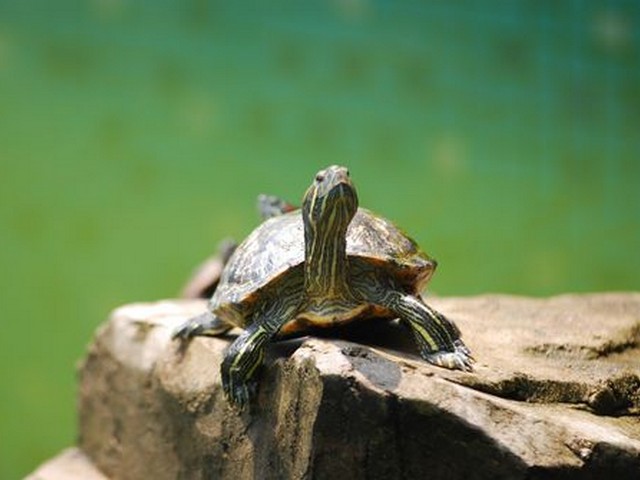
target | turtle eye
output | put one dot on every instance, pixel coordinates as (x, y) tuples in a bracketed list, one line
[(319, 177)]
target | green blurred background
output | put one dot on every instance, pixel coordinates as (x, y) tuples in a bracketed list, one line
[(134, 135)]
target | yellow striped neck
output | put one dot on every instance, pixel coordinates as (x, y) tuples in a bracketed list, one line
[(326, 263), (327, 209)]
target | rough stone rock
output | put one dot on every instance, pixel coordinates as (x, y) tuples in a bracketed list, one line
[(555, 394), (70, 464)]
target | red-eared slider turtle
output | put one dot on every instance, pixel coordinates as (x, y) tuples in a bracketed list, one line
[(205, 278), (328, 263)]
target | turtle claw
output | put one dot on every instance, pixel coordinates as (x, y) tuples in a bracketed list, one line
[(461, 347), (459, 359), (188, 329), (239, 394)]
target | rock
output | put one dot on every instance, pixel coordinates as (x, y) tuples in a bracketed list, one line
[(555, 395), (579, 349), (71, 464)]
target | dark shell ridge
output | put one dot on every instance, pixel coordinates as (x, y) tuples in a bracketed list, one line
[(277, 245)]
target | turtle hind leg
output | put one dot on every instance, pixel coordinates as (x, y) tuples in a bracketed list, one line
[(204, 324), (271, 206)]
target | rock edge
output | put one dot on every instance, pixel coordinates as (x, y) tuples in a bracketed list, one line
[(554, 395)]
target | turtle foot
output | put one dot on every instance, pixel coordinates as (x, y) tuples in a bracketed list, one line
[(461, 347), (203, 323), (239, 393), (459, 359)]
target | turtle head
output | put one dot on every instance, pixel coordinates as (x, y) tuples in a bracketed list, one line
[(331, 199), (327, 209)]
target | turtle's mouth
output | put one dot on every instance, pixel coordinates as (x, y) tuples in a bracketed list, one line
[(332, 195), (344, 196), (343, 189)]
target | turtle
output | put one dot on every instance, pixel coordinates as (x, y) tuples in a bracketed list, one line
[(323, 265), (271, 206), (206, 276)]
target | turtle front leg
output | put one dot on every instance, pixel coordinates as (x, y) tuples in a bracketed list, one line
[(240, 364), (204, 324), (437, 337), (245, 355)]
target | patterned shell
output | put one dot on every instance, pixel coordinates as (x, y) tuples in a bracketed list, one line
[(277, 246)]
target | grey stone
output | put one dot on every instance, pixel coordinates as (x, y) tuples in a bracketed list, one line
[(70, 464), (555, 394)]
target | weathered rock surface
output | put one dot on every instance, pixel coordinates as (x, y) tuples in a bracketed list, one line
[(555, 394), (71, 464)]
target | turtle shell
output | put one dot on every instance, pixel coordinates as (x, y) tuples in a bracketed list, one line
[(277, 247)]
